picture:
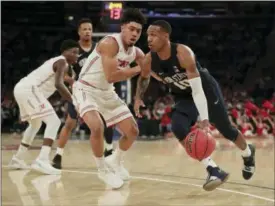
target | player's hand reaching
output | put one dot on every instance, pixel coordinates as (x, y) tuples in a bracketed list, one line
[(138, 103), (205, 126)]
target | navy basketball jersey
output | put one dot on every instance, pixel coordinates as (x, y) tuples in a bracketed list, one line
[(83, 55), (172, 73)]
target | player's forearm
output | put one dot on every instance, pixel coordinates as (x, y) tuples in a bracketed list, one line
[(142, 85), (199, 97), (64, 92), (122, 75)]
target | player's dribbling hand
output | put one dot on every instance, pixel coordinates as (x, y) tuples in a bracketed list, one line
[(205, 126), (138, 103)]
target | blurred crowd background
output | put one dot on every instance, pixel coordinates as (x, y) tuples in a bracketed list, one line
[(234, 40)]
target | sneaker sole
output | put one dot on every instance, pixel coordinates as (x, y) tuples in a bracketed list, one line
[(16, 167), (39, 169), (214, 184)]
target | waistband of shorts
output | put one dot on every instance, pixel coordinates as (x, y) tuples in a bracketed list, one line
[(91, 85)]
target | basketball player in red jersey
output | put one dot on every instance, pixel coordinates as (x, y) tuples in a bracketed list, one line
[(86, 47)]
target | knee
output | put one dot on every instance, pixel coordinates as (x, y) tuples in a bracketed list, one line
[(132, 132), (229, 132), (180, 131), (35, 124), (70, 124), (97, 128), (52, 125)]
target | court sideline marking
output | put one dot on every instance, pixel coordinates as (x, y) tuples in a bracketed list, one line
[(172, 182), (179, 183)]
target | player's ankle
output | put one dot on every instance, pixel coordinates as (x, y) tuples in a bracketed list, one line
[(59, 151)]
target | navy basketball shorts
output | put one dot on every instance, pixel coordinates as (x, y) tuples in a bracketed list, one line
[(185, 113)]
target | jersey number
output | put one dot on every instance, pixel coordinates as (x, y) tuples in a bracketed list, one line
[(183, 84)]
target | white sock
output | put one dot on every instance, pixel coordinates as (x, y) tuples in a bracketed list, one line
[(21, 152), (108, 146), (119, 154), (44, 153), (208, 162), (100, 162), (59, 151), (246, 152)]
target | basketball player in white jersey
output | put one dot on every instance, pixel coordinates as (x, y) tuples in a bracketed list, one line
[(31, 94), (94, 94)]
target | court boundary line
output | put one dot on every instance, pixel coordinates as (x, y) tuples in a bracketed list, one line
[(178, 183), (173, 182)]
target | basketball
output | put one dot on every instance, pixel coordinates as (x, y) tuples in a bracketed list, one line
[(198, 145)]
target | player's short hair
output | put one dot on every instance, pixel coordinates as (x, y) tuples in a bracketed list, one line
[(164, 25), (68, 44), (133, 14), (83, 21)]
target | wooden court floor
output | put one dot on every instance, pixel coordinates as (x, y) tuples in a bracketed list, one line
[(162, 174)]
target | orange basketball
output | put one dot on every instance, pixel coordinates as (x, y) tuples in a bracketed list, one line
[(198, 145)]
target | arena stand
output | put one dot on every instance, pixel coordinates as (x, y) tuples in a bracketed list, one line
[(235, 51)]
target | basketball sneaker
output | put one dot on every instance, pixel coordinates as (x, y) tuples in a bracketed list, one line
[(108, 152), (117, 167), (110, 178), (57, 160), (249, 163), (17, 163), (45, 167), (216, 177)]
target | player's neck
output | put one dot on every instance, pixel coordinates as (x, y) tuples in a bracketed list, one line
[(165, 53), (85, 44)]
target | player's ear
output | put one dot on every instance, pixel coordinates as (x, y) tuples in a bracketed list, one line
[(122, 26)]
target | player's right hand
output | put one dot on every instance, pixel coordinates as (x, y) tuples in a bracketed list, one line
[(138, 103), (205, 126)]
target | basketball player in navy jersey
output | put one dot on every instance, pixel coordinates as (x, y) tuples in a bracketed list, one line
[(86, 46), (196, 93)]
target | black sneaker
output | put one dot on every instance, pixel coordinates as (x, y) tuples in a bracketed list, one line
[(215, 178), (108, 152), (57, 161), (249, 163)]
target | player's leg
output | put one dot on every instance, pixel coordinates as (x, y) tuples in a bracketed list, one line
[(129, 130), (86, 104), (218, 115), (17, 161), (64, 135), (108, 134), (183, 117), (42, 162), (20, 94)]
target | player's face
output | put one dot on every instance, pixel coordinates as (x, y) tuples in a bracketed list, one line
[(131, 33), (72, 55), (85, 31), (155, 38)]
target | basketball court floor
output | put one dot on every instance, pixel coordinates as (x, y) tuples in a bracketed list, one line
[(162, 174)]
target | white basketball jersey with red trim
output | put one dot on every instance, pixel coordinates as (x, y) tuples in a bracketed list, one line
[(92, 71), (43, 77)]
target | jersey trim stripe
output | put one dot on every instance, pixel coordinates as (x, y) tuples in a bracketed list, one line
[(90, 65)]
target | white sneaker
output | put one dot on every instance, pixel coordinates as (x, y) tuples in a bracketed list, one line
[(110, 178), (117, 168), (45, 167), (17, 163)]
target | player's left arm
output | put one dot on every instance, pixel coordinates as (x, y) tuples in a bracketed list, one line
[(187, 60)]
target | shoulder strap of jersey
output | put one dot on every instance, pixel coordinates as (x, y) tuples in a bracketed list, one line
[(154, 61)]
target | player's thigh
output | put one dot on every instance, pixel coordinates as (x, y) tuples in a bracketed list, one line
[(181, 124), (72, 113), (94, 122)]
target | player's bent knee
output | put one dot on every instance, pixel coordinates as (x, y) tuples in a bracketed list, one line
[(35, 124), (229, 132), (70, 123), (52, 125), (134, 131), (180, 131), (95, 123)]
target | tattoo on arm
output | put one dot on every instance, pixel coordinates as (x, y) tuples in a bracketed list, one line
[(143, 83)]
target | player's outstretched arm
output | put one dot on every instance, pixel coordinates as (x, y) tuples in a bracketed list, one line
[(187, 60), (142, 83), (108, 48), (61, 67)]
